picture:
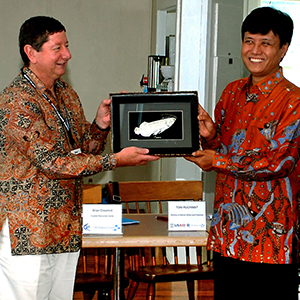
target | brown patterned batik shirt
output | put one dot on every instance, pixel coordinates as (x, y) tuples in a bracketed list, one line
[(40, 179), (256, 215)]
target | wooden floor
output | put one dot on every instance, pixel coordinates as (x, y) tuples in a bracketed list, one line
[(171, 291)]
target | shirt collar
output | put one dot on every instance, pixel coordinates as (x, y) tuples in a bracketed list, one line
[(38, 83), (266, 85)]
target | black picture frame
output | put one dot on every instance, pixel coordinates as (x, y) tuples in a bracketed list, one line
[(171, 127)]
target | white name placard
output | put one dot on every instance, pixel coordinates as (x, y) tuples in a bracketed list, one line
[(102, 218), (186, 215)]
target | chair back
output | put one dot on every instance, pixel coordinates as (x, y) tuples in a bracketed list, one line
[(92, 194), (137, 192), (139, 197)]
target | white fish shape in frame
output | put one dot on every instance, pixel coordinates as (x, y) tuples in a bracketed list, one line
[(146, 129)]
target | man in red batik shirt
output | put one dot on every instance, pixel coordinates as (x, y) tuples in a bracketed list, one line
[(254, 148)]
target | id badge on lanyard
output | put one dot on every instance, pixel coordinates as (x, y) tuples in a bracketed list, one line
[(76, 151), (64, 121)]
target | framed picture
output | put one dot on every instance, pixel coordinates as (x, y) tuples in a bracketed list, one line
[(165, 123)]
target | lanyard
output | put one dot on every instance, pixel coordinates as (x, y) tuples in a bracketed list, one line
[(64, 121)]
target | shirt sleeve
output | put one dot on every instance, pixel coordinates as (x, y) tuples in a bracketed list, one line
[(38, 140), (264, 153)]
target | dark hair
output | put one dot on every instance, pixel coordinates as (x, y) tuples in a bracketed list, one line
[(35, 32), (264, 19)]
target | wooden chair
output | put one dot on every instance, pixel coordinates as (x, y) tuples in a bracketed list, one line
[(89, 279), (143, 263), (94, 272)]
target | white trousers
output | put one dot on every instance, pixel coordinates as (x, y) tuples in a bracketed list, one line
[(35, 277)]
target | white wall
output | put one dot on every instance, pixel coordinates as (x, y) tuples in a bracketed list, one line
[(109, 42)]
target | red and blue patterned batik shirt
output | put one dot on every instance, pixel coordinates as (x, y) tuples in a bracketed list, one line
[(256, 209)]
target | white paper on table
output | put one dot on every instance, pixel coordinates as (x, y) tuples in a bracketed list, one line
[(102, 218), (186, 215)]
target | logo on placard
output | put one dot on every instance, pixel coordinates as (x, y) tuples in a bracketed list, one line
[(175, 225), (87, 227), (117, 227)]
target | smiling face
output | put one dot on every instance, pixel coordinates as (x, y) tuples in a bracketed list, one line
[(50, 62), (262, 54)]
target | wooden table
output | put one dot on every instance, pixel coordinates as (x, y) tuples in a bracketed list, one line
[(150, 232)]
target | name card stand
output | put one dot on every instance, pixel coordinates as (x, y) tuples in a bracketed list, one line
[(186, 215), (102, 219)]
